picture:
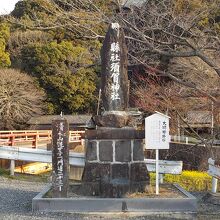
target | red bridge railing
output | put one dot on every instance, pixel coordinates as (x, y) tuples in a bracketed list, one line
[(33, 137)]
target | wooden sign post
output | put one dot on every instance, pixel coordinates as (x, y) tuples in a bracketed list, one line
[(157, 137), (60, 158)]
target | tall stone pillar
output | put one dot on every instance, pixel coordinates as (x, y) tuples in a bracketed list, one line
[(115, 85), (114, 82), (60, 158)]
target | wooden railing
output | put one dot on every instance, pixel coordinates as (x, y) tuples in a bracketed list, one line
[(76, 136), (34, 137)]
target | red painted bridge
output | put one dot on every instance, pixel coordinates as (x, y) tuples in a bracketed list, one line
[(34, 138)]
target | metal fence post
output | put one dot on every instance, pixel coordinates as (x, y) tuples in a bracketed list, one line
[(214, 184), (161, 178), (12, 168)]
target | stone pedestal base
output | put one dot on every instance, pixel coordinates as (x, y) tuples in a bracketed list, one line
[(118, 119), (114, 167), (115, 119)]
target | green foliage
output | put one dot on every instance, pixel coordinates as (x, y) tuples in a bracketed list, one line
[(60, 58), (19, 39), (4, 35), (210, 20), (63, 19), (64, 71), (30, 11), (30, 8), (189, 5)]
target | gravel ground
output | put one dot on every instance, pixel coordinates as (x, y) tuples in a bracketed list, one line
[(16, 197)]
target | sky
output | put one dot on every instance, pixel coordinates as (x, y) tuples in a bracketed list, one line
[(6, 6)]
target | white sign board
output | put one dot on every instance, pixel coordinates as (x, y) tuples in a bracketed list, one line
[(157, 131)]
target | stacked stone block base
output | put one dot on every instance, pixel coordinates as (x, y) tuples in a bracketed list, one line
[(114, 167)]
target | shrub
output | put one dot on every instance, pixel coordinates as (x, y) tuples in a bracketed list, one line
[(189, 180)]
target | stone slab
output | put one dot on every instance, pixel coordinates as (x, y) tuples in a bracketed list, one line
[(94, 172), (91, 150), (139, 172), (115, 133), (138, 153), (120, 171), (105, 151), (115, 189), (123, 151), (186, 204)]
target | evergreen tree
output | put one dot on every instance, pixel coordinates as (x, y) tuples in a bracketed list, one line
[(4, 35), (65, 73)]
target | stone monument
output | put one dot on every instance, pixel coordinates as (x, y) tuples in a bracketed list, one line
[(60, 158), (115, 84), (114, 70), (114, 151)]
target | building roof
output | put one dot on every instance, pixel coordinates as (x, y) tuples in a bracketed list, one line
[(72, 119), (199, 118)]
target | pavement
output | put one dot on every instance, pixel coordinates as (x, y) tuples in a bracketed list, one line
[(16, 199)]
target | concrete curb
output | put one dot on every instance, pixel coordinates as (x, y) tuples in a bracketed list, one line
[(85, 205)]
